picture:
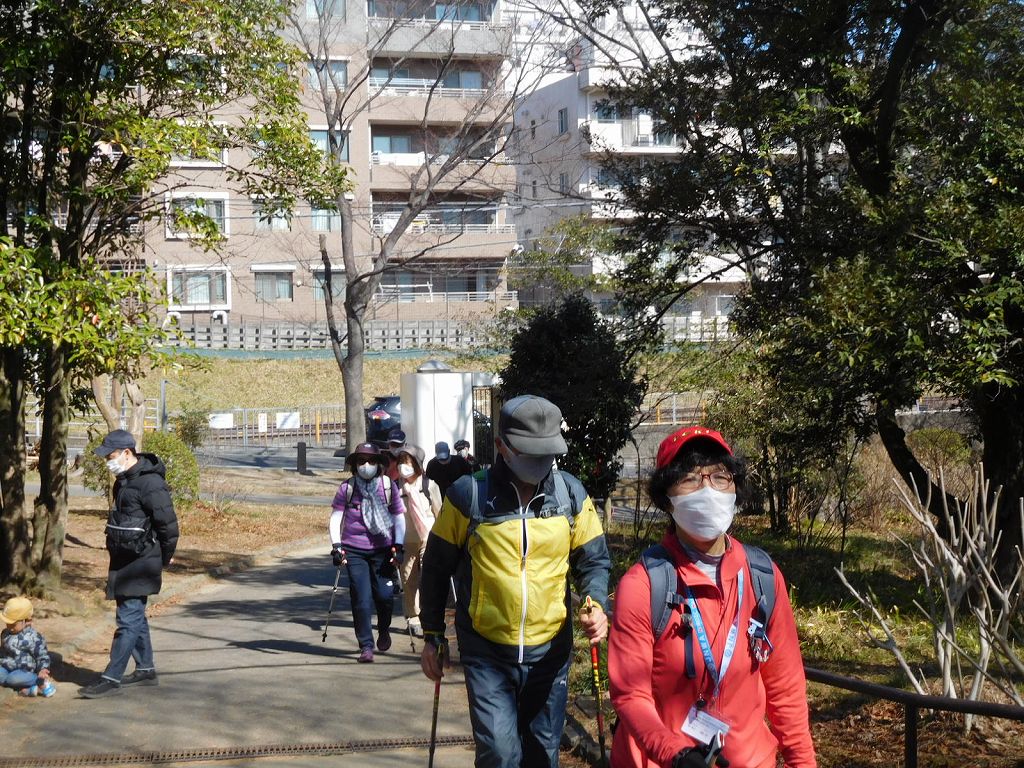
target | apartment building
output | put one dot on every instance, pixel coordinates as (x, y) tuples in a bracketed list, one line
[(566, 129), (414, 98)]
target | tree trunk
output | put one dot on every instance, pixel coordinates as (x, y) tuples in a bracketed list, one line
[(51, 506), (910, 470), (1001, 420), (15, 522)]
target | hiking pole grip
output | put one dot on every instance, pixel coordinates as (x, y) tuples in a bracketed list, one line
[(595, 667)]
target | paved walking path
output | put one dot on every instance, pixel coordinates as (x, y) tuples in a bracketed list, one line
[(241, 662)]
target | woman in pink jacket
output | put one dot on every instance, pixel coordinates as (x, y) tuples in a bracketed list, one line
[(705, 686)]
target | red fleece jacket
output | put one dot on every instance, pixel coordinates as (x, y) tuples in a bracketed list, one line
[(652, 695)]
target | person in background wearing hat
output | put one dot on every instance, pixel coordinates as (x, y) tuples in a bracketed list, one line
[(396, 439), (24, 660), (511, 535), (444, 469), (142, 533), (367, 529), (698, 682), (462, 449), (422, 500)]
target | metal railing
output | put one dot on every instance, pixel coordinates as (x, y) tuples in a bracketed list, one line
[(424, 86), (430, 23), (315, 425), (913, 703)]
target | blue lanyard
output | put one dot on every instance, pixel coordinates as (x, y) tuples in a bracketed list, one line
[(702, 635)]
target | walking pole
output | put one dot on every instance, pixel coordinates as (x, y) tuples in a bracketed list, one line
[(401, 587), (334, 591), (437, 700), (595, 667)]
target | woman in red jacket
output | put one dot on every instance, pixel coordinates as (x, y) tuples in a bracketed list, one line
[(705, 684)]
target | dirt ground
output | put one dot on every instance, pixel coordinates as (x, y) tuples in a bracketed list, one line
[(229, 534)]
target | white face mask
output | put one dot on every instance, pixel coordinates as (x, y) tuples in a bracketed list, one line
[(464, 452), (704, 514), (530, 469), (114, 466), (367, 471), (406, 470)]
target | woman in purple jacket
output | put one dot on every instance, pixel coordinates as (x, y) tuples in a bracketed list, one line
[(367, 535)]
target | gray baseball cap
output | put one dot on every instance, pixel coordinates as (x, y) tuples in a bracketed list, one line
[(532, 426)]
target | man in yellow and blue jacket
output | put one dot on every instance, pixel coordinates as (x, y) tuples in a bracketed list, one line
[(510, 535)]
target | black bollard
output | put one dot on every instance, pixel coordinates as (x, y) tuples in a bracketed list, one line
[(300, 458)]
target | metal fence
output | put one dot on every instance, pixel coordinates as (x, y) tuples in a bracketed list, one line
[(399, 335), (80, 424), (316, 425)]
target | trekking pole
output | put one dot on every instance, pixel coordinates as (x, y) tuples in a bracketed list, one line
[(334, 592), (437, 700), (401, 587), (595, 667)]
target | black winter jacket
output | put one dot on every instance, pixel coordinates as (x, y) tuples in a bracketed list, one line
[(141, 501)]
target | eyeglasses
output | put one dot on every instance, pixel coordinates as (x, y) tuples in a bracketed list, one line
[(720, 480)]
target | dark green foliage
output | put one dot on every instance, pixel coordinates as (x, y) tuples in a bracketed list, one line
[(569, 355), (865, 164), (191, 425), (182, 467)]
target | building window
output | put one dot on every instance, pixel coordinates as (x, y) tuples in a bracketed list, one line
[(325, 9), (563, 120), (211, 156), (322, 139), (337, 284), (392, 145), (269, 216), (533, 189), (333, 72), (325, 220), (533, 129), (273, 286), (463, 79), (724, 305), (207, 288), (188, 214), (607, 113), (563, 183)]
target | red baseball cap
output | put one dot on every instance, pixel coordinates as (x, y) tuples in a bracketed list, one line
[(673, 444)]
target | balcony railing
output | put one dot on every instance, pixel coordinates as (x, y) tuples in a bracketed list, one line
[(425, 294), (425, 23), (414, 159), (382, 224), (632, 133), (423, 86)]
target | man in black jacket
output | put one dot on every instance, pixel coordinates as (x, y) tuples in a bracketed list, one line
[(142, 532)]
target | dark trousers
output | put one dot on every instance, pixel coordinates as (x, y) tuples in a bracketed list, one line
[(517, 710), (371, 591), (131, 638)]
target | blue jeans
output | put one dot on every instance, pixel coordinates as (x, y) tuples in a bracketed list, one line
[(370, 592), (131, 639), (517, 711), (18, 678)]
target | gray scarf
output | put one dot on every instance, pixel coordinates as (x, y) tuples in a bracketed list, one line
[(376, 517)]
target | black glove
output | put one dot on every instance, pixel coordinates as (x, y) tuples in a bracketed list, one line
[(398, 554), (338, 557), (696, 758)]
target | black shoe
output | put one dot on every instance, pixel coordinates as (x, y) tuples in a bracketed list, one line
[(383, 640), (140, 677), (103, 688)]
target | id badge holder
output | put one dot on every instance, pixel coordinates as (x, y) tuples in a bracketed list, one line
[(702, 726)]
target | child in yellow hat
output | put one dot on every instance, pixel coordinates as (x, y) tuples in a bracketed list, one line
[(24, 660)]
